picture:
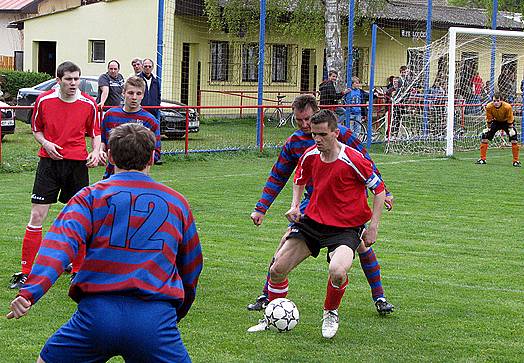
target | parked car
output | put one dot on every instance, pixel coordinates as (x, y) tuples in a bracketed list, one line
[(173, 120), (8, 120), (27, 96)]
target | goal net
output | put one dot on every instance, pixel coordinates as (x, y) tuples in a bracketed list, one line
[(460, 72)]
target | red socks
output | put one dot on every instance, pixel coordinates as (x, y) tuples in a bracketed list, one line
[(334, 295), (277, 290), (30, 245)]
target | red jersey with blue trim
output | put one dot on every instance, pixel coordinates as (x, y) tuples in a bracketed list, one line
[(116, 116), (293, 149), (66, 123), (140, 238), (339, 195)]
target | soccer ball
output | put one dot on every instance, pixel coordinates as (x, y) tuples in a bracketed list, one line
[(281, 315)]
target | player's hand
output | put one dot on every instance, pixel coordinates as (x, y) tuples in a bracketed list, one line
[(19, 307), (257, 218), (388, 203), (293, 214), (512, 131), (93, 159), (102, 155), (370, 235), (52, 150)]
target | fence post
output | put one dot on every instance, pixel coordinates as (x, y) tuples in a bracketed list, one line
[(187, 131)]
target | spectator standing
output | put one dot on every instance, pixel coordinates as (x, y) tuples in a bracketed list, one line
[(152, 95), (477, 84), (328, 90), (355, 96), (62, 117), (110, 86), (136, 63), (142, 265)]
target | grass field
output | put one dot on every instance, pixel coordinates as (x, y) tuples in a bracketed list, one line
[(452, 256)]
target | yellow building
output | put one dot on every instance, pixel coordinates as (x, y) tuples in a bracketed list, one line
[(217, 68)]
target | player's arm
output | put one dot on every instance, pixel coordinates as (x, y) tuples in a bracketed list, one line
[(293, 214), (59, 247), (189, 264), (302, 176), (52, 149), (353, 142), (93, 158), (277, 179), (370, 234), (158, 138)]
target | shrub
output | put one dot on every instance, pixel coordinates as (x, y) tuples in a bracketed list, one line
[(12, 81)]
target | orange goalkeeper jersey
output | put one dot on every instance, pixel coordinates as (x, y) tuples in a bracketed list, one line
[(502, 114)]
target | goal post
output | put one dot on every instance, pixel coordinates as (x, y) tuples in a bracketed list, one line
[(452, 70), (464, 66)]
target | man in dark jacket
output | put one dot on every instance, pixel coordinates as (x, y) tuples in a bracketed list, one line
[(328, 92), (152, 93)]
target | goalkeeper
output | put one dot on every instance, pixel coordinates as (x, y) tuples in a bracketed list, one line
[(499, 116)]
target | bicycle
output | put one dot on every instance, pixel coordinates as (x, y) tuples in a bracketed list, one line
[(353, 124), (277, 117)]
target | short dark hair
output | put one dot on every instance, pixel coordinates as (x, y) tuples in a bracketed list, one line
[(325, 116), (148, 59), (135, 81), (131, 146), (403, 68), (67, 66), (302, 101), (113, 60), (332, 72), (497, 95)]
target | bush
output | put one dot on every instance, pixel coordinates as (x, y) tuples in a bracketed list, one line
[(12, 81)]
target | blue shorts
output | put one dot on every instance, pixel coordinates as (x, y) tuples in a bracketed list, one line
[(105, 326)]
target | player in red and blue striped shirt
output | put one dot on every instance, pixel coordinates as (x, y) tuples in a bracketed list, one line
[(304, 107), (131, 111), (141, 268)]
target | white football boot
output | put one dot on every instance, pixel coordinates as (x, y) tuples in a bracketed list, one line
[(329, 323), (261, 326)]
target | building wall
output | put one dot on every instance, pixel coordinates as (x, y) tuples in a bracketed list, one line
[(10, 39), (128, 28)]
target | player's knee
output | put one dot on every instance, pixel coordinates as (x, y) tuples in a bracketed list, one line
[(337, 275)]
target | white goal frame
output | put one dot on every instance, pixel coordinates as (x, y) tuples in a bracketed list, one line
[(453, 31)]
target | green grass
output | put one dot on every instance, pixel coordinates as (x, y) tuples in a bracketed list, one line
[(451, 253)]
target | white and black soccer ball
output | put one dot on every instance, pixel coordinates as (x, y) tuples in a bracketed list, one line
[(281, 315)]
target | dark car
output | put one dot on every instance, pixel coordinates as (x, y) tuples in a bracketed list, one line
[(27, 96), (8, 120), (173, 120)]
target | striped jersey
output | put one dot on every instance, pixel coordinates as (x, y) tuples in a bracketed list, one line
[(293, 149), (340, 197), (140, 238), (116, 116), (66, 123)]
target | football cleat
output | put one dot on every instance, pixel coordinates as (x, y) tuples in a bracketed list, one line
[(481, 162), (329, 323), (73, 275), (69, 268), (383, 306), (259, 304), (517, 164), (261, 326), (18, 280)]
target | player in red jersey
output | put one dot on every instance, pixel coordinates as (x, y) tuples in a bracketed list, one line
[(334, 217), (62, 117)]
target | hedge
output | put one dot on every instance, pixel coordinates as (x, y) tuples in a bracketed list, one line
[(12, 81)]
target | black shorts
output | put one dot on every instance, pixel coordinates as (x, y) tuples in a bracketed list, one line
[(496, 126), (317, 236), (58, 180)]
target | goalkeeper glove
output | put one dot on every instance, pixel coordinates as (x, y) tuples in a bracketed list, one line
[(512, 132)]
